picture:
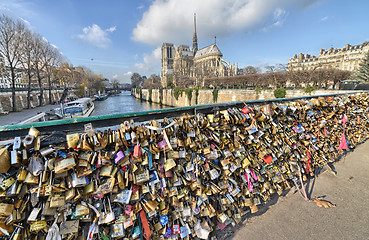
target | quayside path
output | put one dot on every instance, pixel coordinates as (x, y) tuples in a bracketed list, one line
[(291, 217), (16, 117)]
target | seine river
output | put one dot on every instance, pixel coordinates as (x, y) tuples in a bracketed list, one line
[(122, 103)]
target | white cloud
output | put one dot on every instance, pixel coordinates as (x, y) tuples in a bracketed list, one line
[(111, 29), (54, 46), (150, 61), (323, 19), (25, 21), (96, 36), (279, 17), (172, 20), (122, 77), (18, 7)]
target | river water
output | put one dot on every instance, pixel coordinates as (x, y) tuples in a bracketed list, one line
[(123, 103)]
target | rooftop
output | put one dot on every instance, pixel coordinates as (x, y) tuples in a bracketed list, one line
[(209, 50)]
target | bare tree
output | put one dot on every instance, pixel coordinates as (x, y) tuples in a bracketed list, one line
[(11, 41), (250, 70), (27, 60), (153, 82), (116, 83), (39, 64), (51, 59), (281, 67), (63, 73)]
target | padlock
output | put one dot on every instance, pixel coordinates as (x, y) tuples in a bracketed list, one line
[(142, 176), (106, 170), (108, 215), (81, 210), (117, 230), (89, 188), (70, 194), (106, 186), (6, 183), (15, 159), (4, 160), (63, 165)]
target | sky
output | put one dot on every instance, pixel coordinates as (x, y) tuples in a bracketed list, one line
[(119, 37)]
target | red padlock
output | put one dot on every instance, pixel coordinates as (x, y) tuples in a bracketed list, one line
[(245, 110), (176, 229)]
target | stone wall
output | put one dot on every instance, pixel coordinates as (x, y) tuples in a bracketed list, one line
[(207, 96), (21, 99)]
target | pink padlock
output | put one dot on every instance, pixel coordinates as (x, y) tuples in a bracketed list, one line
[(137, 151)]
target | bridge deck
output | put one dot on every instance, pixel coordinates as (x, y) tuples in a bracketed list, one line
[(294, 218)]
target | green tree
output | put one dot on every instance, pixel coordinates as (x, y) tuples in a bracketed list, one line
[(363, 72), (280, 93), (309, 89), (115, 83), (137, 80)]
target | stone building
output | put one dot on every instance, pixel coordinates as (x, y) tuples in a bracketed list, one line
[(346, 58), (196, 64)]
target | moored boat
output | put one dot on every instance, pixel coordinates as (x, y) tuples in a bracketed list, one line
[(101, 97), (82, 107)]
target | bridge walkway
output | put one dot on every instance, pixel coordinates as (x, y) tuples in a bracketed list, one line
[(291, 217)]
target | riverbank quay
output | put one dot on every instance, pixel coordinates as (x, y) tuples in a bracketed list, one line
[(21, 98), (17, 117), (190, 97), (192, 174)]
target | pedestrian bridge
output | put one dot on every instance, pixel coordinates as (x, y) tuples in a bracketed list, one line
[(218, 165)]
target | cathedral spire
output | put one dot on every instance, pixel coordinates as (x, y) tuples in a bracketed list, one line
[(194, 40)]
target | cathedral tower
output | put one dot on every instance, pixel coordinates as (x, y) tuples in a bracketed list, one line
[(167, 58), (194, 40)]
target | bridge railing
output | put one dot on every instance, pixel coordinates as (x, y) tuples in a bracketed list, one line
[(77, 124)]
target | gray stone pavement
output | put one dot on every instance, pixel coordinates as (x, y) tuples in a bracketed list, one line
[(16, 117), (291, 217)]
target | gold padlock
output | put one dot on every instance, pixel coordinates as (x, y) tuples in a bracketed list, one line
[(72, 140), (7, 183), (106, 170), (22, 174), (81, 210), (57, 200), (63, 165), (4, 160), (89, 188), (70, 194), (6, 209)]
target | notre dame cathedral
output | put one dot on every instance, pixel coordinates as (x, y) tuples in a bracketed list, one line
[(181, 63)]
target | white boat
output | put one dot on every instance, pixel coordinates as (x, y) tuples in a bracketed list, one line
[(101, 97), (82, 107)]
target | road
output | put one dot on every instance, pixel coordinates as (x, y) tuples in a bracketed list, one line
[(291, 217)]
